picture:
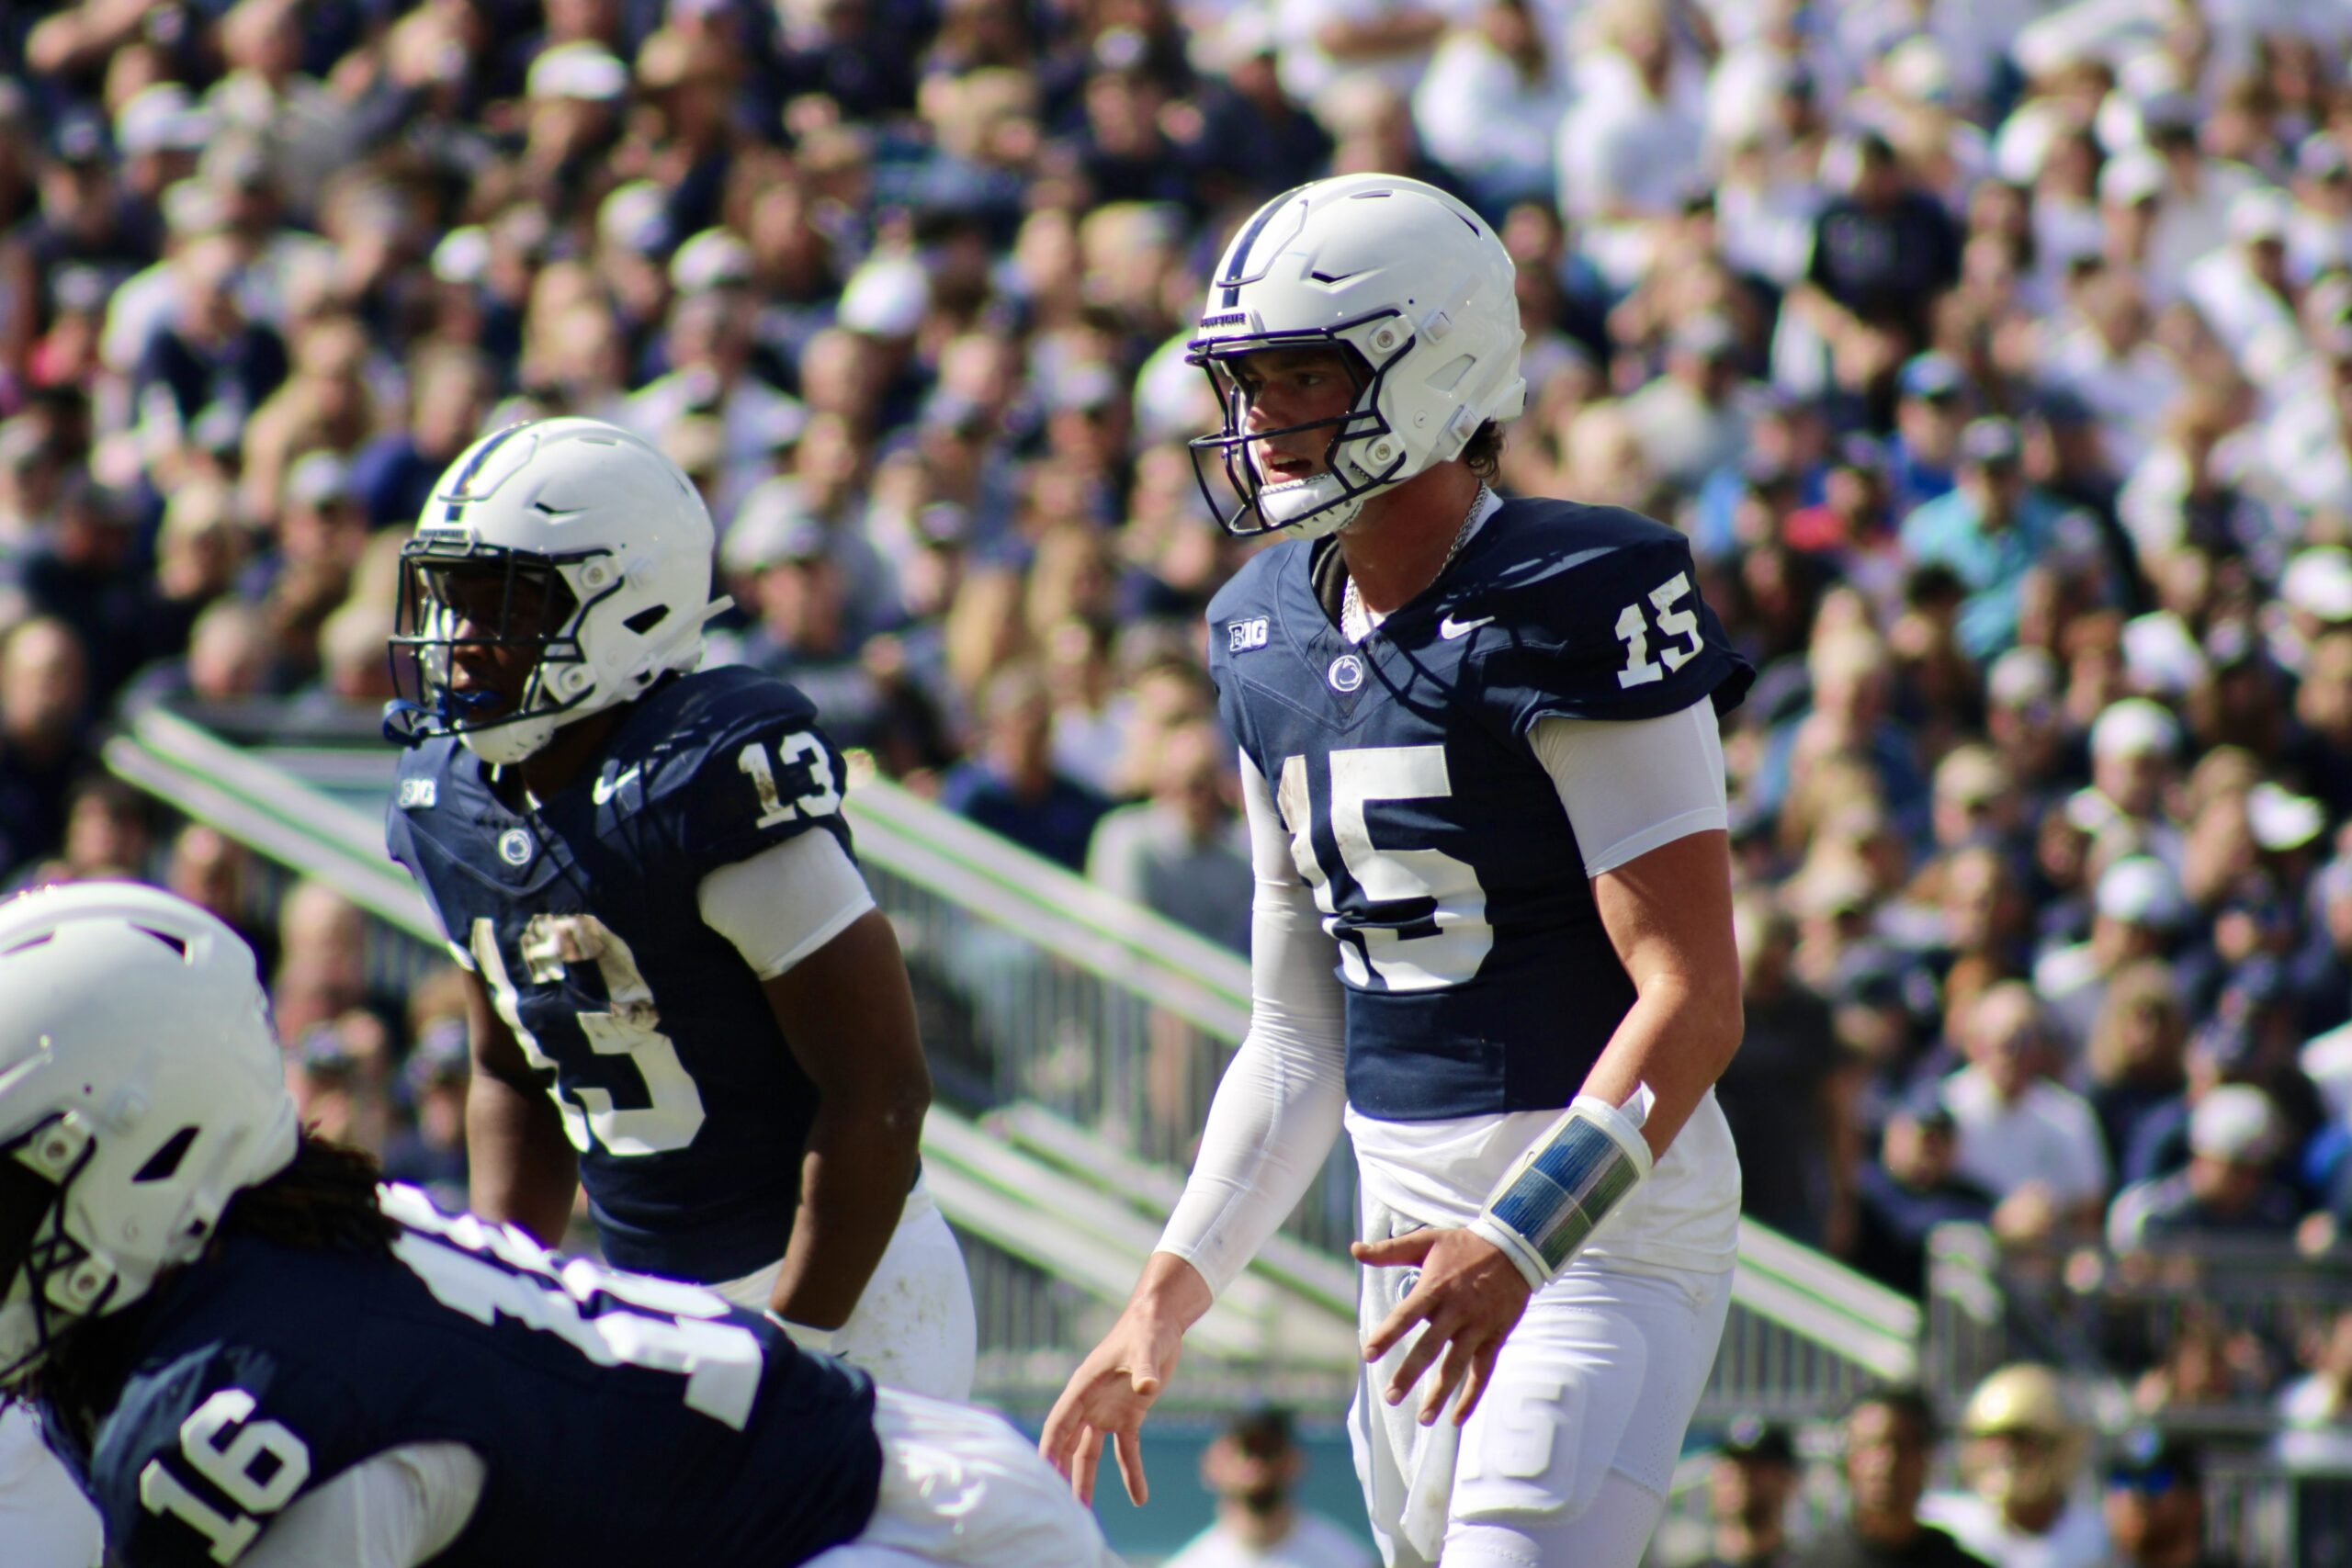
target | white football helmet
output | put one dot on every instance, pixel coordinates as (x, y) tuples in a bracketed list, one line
[(615, 540), (1414, 288), (140, 1089)]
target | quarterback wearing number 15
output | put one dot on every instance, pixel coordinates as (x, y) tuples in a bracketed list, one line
[(1492, 934), (684, 999)]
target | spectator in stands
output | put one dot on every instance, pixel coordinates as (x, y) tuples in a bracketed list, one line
[(1181, 853), (1753, 1475), (321, 973), (2315, 1410), (2022, 1136), (1994, 530), (108, 833), (215, 872), (2135, 745), (44, 688), (1882, 250), (2320, 973), (2156, 1503), (1011, 786), (2022, 1460), (342, 1080), (1911, 1188), (2137, 1058), (2136, 912), (428, 1146), (1890, 1437), (2228, 1189), (450, 402), (1788, 1094), (1252, 1469)]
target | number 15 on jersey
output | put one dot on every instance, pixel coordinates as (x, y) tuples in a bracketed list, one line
[(1405, 919)]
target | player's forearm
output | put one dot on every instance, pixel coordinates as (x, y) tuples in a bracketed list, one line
[(1678, 1038), (1170, 1290), (1278, 1111), (520, 1169), (853, 1182)]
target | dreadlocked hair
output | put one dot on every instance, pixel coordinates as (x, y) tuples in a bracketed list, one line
[(324, 1201)]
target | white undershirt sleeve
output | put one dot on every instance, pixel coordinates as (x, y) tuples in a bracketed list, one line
[(786, 902), (396, 1509), (1630, 787), (1279, 1107)]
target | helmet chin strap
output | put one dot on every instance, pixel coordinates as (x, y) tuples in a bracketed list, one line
[(503, 745), (1287, 506)]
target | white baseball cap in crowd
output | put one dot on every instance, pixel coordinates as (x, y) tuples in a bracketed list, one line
[(2318, 582), (2134, 725), (588, 72), (2233, 1122), (2140, 890)]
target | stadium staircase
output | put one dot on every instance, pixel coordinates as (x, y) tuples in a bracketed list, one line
[(1075, 1039)]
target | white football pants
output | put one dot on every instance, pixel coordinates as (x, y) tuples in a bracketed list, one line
[(914, 1327), (961, 1486), (1567, 1460)]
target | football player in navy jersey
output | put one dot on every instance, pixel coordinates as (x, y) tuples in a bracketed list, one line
[(1492, 934), (248, 1352), (683, 997)]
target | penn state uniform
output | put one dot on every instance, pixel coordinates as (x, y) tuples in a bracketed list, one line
[(1478, 985), (580, 915), (626, 1421), (1416, 741)]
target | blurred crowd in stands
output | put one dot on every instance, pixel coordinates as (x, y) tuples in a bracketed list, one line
[(1995, 355)]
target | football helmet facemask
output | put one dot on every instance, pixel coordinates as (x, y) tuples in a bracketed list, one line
[(140, 1089), (1416, 293), (570, 542)]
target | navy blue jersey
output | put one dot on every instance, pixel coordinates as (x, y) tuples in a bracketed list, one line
[(622, 1420), (656, 1039), (1476, 975)]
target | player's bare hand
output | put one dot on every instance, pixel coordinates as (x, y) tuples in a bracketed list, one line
[(1114, 1388), (1469, 1294)]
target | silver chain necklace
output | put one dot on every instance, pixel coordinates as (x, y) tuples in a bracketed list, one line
[(1352, 602)]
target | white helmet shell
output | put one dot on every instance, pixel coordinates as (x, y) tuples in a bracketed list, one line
[(624, 528), (139, 1076), (1410, 282)]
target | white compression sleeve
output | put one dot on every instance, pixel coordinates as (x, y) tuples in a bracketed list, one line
[(1279, 1106), (1630, 787), (395, 1509), (786, 902)]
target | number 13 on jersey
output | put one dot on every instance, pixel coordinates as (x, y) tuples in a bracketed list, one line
[(1408, 919)]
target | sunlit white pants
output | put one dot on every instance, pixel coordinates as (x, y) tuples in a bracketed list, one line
[(1567, 1460), (961, 1486), (45, 1522), (914, 1327)]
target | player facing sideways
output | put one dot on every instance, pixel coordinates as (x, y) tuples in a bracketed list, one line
[(1492, 932), (682, 990), (251, 1353)]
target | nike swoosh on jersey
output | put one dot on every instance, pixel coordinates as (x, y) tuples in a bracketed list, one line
[(604, 789), (1450, 628)]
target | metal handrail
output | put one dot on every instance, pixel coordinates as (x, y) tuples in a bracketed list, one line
[(1163, 963)]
